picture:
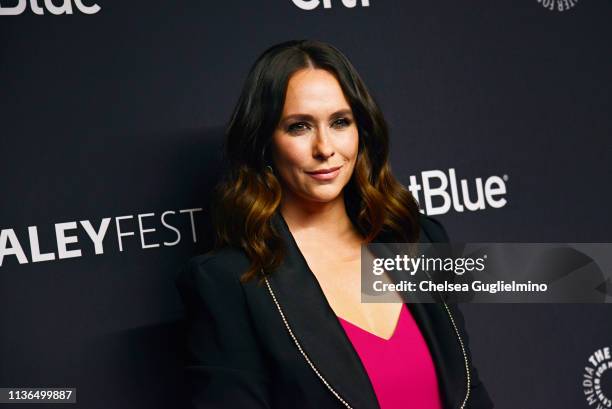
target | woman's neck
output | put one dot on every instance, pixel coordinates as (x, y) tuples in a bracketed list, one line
[(321, 218)]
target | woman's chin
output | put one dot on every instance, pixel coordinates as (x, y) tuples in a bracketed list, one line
[(324, 196)]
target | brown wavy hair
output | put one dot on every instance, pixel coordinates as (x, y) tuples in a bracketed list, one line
[(249, 194)]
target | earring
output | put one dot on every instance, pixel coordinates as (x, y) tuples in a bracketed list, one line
[(270, 167)]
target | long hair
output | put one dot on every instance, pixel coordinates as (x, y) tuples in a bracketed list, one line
[(249, 194)]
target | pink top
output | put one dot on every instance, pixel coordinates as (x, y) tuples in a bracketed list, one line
[(400, 369)]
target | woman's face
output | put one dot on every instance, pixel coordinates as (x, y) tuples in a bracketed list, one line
[(316, 133)]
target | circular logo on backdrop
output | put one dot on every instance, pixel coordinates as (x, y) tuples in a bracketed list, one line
[(559, 5), (597, 379)]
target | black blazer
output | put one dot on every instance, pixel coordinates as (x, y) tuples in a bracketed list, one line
[(243, 356)]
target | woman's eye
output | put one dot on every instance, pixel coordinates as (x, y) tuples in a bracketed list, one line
[(300, 127), (297, 127), (342, 122)]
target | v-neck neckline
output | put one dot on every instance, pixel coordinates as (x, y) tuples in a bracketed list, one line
[(322, 336), (393, 334)]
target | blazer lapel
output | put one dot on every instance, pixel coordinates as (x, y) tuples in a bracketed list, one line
[(316, 326)]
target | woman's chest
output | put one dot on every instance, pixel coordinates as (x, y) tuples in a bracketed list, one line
[(339, 275)]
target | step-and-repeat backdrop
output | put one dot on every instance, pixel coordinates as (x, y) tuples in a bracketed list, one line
[(111, 121)]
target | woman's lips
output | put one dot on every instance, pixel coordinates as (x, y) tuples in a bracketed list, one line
[(325, 174)]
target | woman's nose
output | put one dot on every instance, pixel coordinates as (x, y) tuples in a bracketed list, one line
[(322, 146)]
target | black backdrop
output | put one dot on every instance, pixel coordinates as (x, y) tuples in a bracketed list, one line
[(121, 112)]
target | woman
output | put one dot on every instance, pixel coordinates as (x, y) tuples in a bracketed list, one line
[(275, 314)]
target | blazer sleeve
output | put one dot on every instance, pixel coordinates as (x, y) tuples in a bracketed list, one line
[(479, 396), (224, 366)]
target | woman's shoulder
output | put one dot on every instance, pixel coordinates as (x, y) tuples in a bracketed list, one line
[(432, 229), (222, 267)]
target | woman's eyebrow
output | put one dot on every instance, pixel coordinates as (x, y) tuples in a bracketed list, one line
[(308, 117)]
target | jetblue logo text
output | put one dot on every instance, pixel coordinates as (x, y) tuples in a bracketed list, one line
[(464, 194), (313, 4), (41, 7)]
